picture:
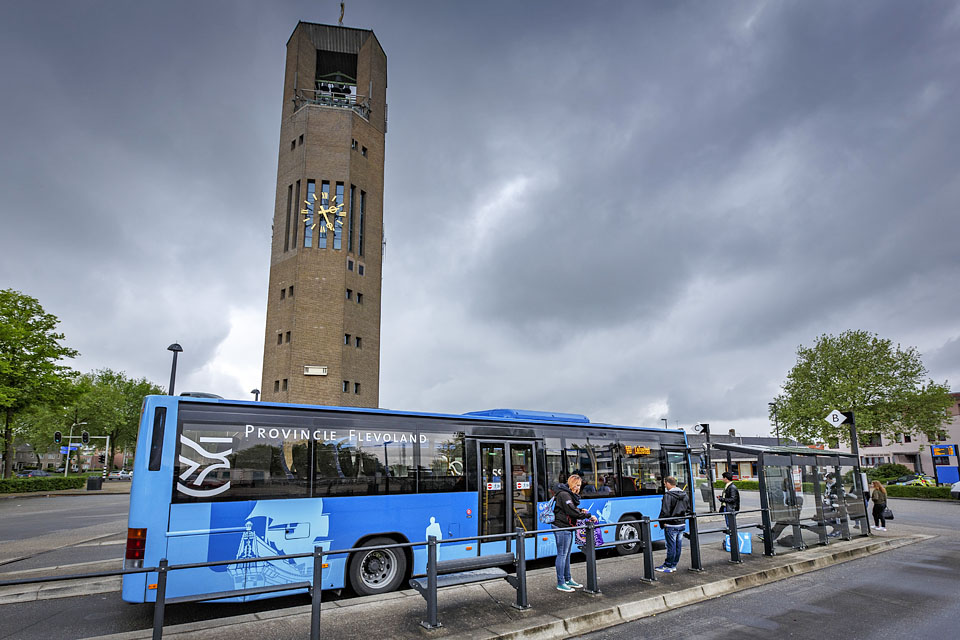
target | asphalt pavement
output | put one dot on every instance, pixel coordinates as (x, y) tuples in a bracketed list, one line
[(470, 611)]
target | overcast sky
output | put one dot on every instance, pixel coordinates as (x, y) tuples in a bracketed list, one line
[(631, 210)]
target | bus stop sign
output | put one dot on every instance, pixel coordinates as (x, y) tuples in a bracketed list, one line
[(835, 418)]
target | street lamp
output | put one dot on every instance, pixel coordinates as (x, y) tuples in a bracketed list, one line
[(175, 348), (665, 423), (776, 424), (256, 394)]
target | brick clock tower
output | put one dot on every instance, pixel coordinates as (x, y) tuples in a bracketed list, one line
[(322, 343)]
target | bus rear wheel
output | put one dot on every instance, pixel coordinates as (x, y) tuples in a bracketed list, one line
[(378, 570), (628, 532)]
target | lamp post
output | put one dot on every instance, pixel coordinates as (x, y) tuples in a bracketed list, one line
[(176, 349), (256, 394), (776, 423), (665, 423)]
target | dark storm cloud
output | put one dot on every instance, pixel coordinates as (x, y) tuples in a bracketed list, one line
[(630, 210)]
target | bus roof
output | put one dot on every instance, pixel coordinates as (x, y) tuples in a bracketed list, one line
[(491, 415)]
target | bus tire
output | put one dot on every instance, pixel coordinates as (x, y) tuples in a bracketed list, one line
[(628, 532), (378, 570)]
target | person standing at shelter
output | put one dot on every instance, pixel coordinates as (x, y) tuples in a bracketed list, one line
[(729, 499), (673, 509), (879, 496), (566, 513)]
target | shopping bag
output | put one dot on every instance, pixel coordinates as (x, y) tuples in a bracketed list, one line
[(745, 543), (580, 535)]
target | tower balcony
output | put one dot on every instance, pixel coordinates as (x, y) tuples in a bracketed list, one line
[(336, 99)]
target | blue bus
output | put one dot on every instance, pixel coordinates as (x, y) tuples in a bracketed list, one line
[(219, 479)]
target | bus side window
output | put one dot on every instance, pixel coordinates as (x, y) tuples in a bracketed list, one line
[(641, 470), (156, 442)]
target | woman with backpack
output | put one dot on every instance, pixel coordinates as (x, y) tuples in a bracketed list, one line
[(566, 513)]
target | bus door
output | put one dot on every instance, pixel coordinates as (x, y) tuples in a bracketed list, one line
[(507, 499), (677, 462)]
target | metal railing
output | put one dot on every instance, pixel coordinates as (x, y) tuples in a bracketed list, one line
[(519, 581), (357, 103)]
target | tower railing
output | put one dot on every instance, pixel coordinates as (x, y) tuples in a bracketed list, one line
[(356, 103)]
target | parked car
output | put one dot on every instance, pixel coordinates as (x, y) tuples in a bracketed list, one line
[(35, 473), (915, 480)]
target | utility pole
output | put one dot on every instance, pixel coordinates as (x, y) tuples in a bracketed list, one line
[(704, 428)]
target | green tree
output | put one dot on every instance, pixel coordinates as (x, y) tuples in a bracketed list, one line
[(885, 386), (30, 360)]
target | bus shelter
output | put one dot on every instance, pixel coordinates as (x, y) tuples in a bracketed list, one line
[(807, 490)]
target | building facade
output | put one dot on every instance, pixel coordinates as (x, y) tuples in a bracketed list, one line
[(916, 452), (322, 339)]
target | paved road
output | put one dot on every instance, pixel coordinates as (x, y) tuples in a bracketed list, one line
[(29, 517), (909, 592)]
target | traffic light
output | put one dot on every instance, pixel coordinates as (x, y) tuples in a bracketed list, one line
[(57, 437), (85, 437), (103, 458)]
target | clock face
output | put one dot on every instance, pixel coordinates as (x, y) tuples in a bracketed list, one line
[(332, 215)]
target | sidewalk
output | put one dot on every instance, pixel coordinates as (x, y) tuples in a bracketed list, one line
[(483, 611), (109, 486)]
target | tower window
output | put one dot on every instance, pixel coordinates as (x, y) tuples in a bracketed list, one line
[(346, 386), (293, 145), (349, 265), (346, 338), (321, 222), (276, 386), (301, 138), (354, 144), (286, 229), (358, 341), (287, 337), (356, 387), (284, 384), (296, 208), (283, 293), (307, 212), (359, 298), (363, 152), (360, 269), (363, 211), (280, 338), (338, 220), (350, 294), (353, 193), (290, 293)]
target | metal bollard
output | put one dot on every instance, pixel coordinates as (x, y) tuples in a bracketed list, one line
[(734, 539), (695, 562), (315, 596), (432, 622), (591, 552), (522, 603), (647, 541), (161, 599)]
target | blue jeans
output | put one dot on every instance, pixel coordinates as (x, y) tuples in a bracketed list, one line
[(564, 545), (674, 537)]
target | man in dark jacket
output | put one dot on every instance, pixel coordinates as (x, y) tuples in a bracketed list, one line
[(730, 498), (675, 505)]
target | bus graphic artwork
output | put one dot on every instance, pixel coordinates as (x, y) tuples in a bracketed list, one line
[(276, 528), (193, 465)]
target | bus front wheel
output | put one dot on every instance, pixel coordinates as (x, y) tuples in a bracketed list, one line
[(377, 570), (628, 532)]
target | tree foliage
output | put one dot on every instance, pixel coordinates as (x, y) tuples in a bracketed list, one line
[(30, 360), (107, 402), (884, 385)]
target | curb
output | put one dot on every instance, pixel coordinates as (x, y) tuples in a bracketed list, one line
[(550, 627)]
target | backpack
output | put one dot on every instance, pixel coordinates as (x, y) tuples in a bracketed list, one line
[(545, 511)]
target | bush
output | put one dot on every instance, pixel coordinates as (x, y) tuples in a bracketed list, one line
[(743, 485), (887, 472), (897, 491), (23, 485)]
